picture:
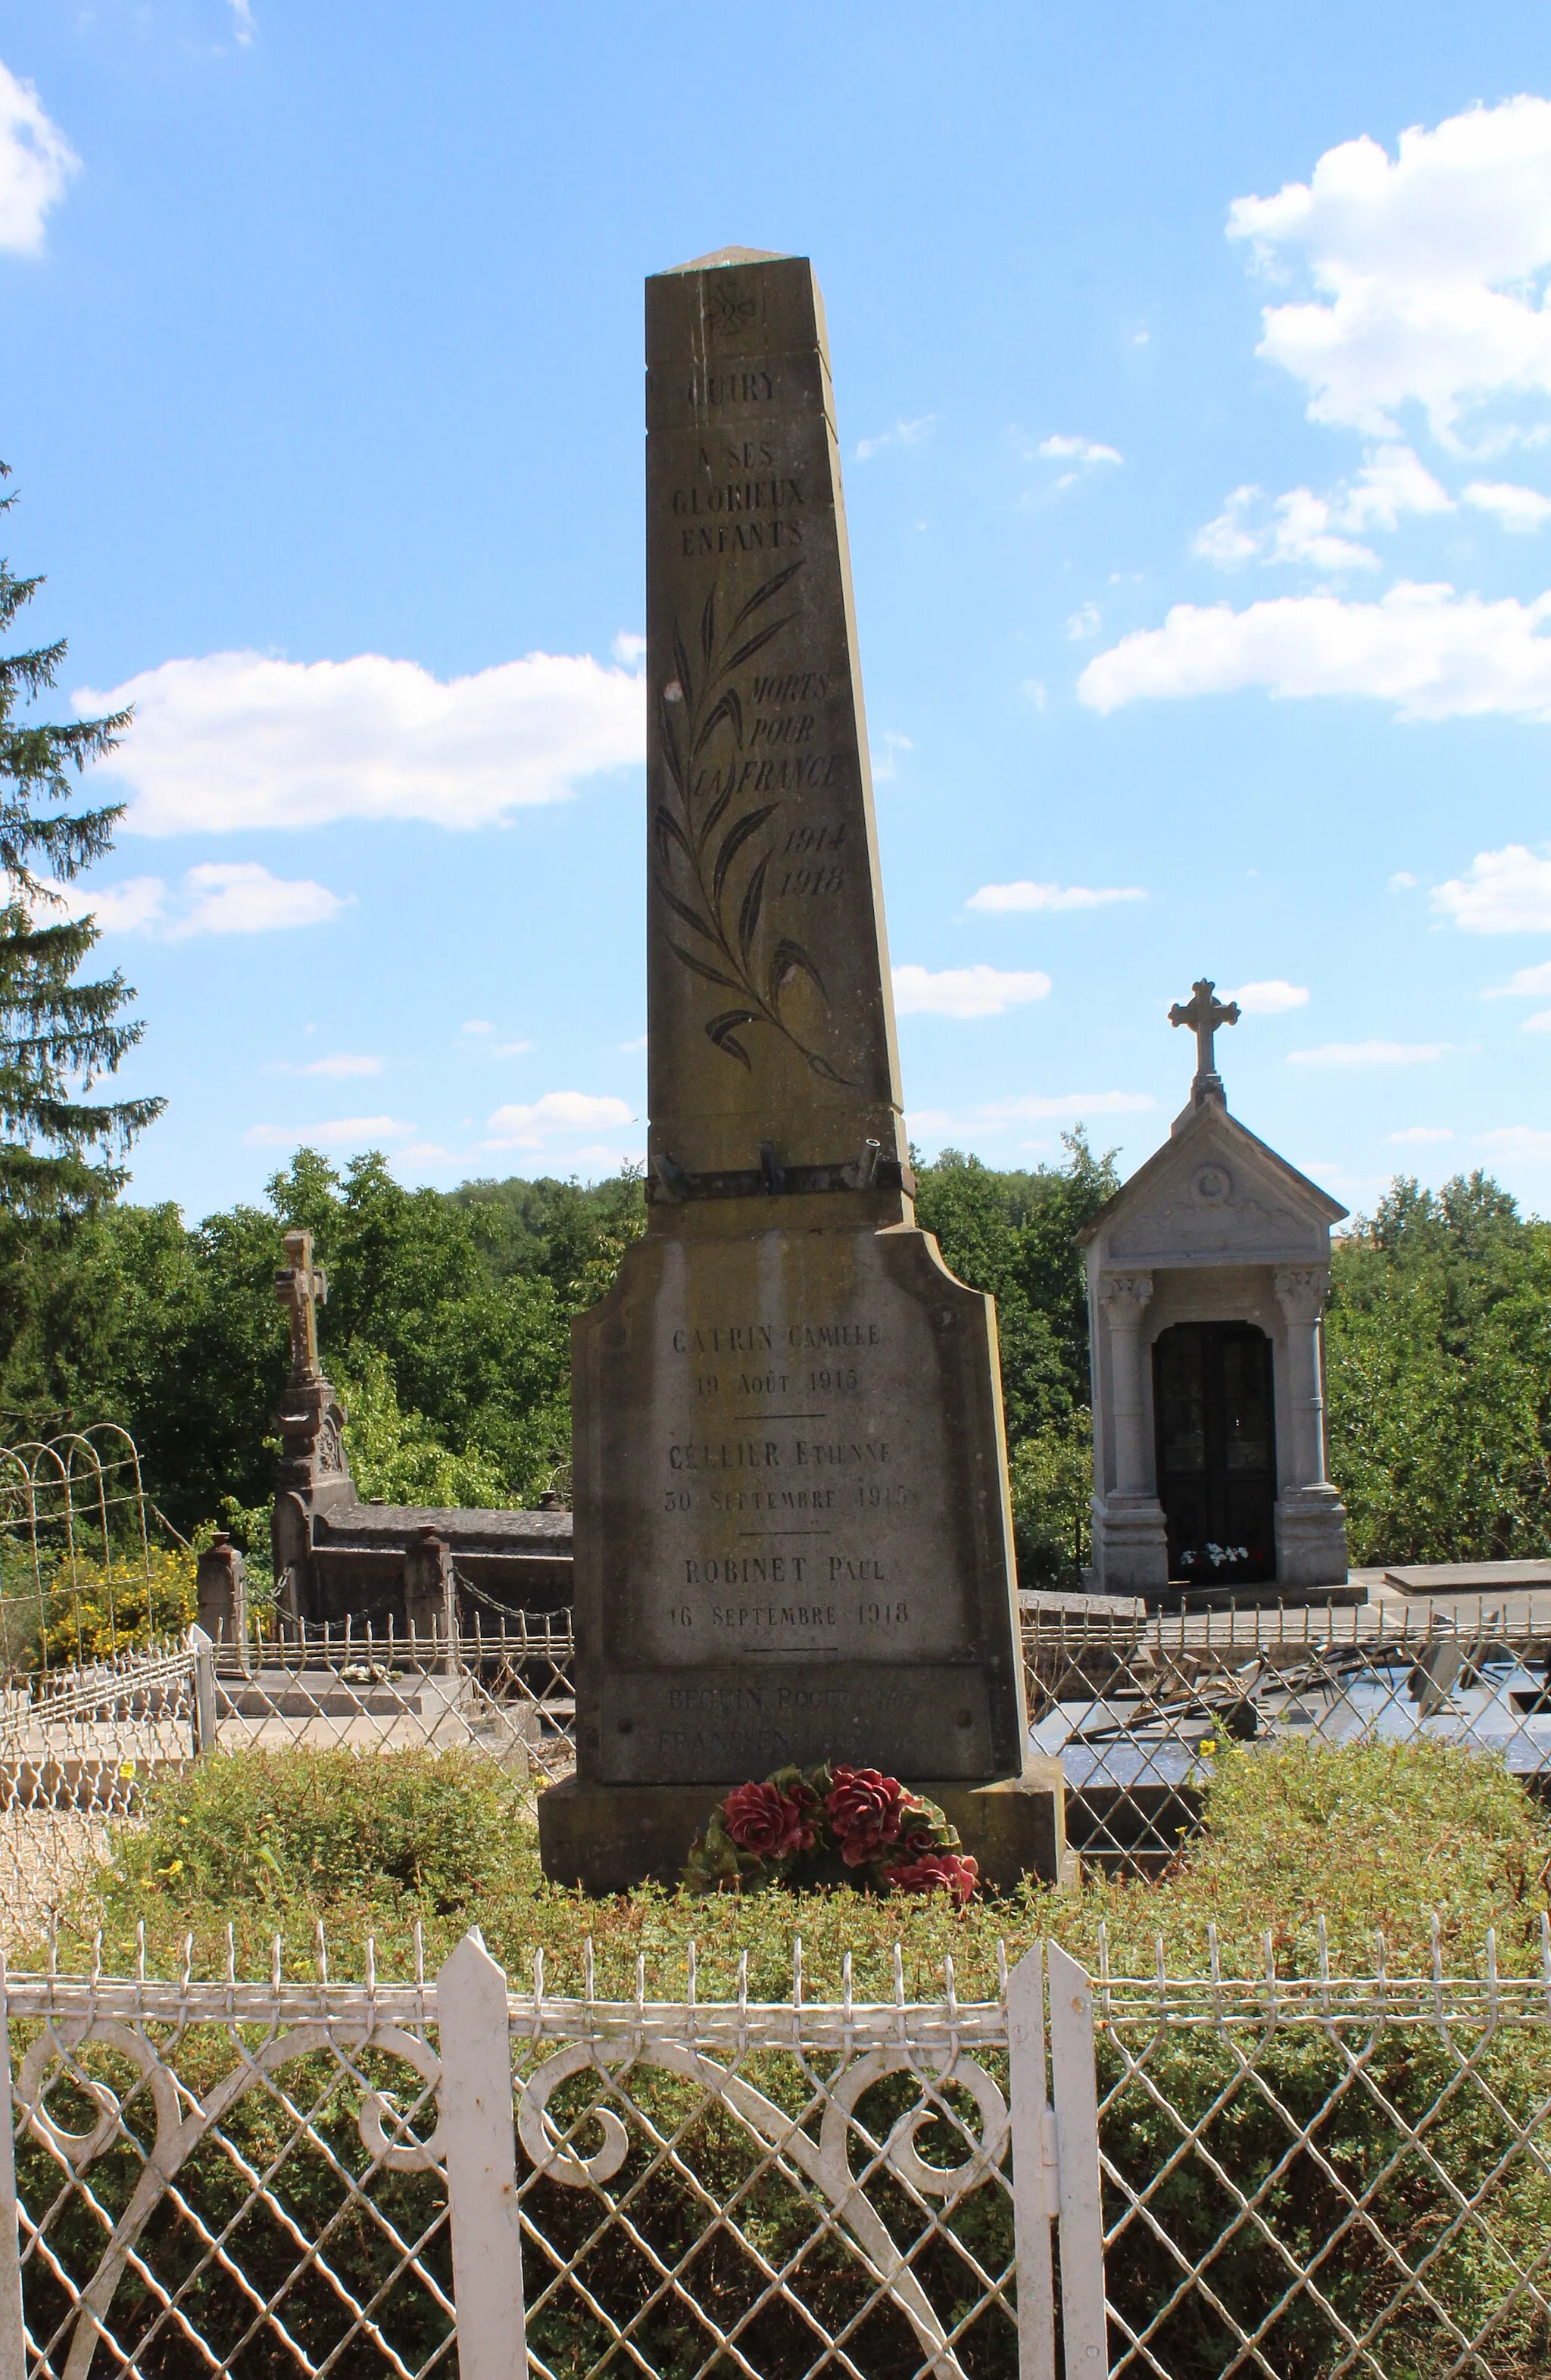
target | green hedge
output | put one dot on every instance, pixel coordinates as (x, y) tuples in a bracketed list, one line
[(1374, 1836)]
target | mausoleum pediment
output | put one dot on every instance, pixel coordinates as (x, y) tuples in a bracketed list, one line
[(1215, 1194)]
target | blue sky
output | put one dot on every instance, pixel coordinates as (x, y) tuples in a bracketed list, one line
[(1193, 375)]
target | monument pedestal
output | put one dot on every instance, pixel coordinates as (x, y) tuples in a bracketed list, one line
[(1130, 1545), (608, 1839), (1310, 1538)]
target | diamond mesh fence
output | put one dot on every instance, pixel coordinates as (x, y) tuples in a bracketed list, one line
[(1136, 1711), (1334, 2175)]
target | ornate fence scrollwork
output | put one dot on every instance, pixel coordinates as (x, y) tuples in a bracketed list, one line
[(181, 2124), (824, 2162)]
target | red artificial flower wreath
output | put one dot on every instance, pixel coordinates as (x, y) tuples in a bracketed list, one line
[(896, 1841)]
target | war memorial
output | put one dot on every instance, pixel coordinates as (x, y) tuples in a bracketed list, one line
[(792, 1535)]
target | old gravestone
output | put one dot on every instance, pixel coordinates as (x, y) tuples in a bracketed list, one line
[(793, 1539)]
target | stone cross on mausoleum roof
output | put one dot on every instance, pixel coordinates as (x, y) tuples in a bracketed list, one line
[(301, 1289), (1203, 1013)]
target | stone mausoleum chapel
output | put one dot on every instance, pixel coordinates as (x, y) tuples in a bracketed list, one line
[(1207, 1276)]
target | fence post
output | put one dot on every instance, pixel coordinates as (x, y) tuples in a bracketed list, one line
[(1033, 2130), (481, 2134), (1075, 2092), (13, 2330), (204, 1691)]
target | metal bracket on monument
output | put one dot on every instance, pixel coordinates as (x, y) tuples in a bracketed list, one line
[(868, 1169)]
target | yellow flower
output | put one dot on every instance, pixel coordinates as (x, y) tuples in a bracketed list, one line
[(1208, 1743), (125, 1768)]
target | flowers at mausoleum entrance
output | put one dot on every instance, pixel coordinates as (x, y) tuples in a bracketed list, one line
[(789, 1828)]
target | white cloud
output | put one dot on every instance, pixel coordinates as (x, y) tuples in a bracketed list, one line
[(342, 1063), (1420, 1133), (885, 755), (511, 1048), (1371, 1053), (1272, 998), (1034, 688), (240, 740), (1001, 900), (1302, 527), (1432, 653), (1530, 983), (965, 992), (1086, 622), (1539, 1023), (1505, 892), (125, 908), (1517, 1140), (903, 434), (343, 1132), (1036, 1109), (553, 1116), (479, 1024), (428, 1152), (1077, 450), (1302, 532), (1228, 539), (36, 161), (1393, 480), (232, 897), (242, 21), (1402, 881), (629, 649), (1425, 267), (630, 1048), (241, 898), (1517, 508)]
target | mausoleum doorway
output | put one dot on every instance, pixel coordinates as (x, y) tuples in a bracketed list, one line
[(1217, 1467)]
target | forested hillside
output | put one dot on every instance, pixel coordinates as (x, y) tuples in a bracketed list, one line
[(447, 1332)]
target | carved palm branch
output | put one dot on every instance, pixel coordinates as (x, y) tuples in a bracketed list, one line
[(719, 891)]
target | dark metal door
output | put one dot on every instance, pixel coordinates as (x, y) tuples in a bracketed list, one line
[(1217, 1461)]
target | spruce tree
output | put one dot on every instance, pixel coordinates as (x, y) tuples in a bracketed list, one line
[(58, 1151)]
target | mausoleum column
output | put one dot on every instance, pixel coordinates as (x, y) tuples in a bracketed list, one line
[(1125, 1297), (1300, 1293)]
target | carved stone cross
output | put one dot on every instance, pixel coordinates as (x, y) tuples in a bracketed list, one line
[(301, 1290), (1203, 1013)]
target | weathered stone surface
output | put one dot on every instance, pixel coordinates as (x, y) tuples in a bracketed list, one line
[(793, 1539), (768, 962), (220, 1593)]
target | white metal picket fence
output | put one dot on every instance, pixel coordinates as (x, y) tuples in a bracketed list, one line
[(241, 2179), (1173, 2176)]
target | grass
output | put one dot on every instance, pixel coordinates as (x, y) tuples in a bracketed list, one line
[(1374, 1838)]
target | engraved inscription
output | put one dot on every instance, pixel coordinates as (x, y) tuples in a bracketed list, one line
[(718, 388), (785, 1504)]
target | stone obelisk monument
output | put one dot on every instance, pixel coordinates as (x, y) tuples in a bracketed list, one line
[(792, 1537)]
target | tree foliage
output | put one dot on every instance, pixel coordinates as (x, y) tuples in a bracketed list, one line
[(1015, 1235), (57, 1034), (446, 1330), (1438, 1377)]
